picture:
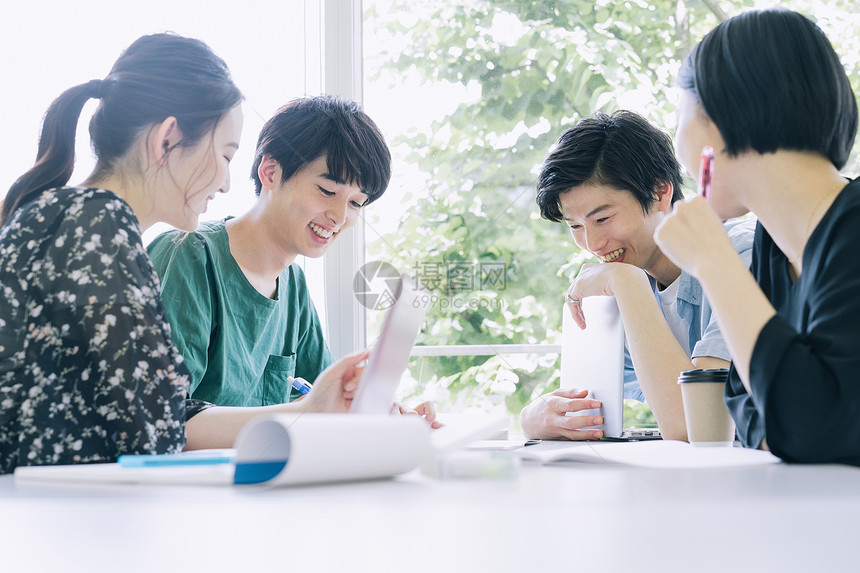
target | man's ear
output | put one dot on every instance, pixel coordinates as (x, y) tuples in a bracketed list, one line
[(267, 172), (664, 190), (163, 139)]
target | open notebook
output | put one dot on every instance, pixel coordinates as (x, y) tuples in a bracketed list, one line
[(647, 454)]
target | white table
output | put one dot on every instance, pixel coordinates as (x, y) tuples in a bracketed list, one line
[(561, 517)]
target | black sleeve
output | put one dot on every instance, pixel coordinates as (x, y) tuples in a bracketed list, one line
[(805, 367), (194, 406)]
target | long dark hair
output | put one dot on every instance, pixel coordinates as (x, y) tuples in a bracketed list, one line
[(158, 76)]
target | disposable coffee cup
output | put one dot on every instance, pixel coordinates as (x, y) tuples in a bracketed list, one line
[(708, 420)]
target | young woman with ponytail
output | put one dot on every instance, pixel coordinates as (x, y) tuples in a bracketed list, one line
[(88, 370)]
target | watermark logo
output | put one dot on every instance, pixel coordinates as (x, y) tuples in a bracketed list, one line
[(457, 303), (460, 277), (445, 285), (375, 285)]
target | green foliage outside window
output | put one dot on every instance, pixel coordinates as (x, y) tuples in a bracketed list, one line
[(528, 70)]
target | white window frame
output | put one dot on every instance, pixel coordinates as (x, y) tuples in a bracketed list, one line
[(340, 44), (340, 24)]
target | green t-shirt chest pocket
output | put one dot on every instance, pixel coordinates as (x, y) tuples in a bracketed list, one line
[(276, 387)]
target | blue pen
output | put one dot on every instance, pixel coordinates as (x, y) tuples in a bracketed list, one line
[(300, 384), (161, 460)]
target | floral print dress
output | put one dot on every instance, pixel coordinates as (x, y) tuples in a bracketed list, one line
[(87, 367)]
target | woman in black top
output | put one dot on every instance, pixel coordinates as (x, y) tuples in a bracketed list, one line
[(766, 90), (87, 367)]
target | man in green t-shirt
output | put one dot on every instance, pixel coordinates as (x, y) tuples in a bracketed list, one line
[(239, 306)]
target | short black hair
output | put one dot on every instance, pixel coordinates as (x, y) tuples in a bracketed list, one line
[(308, 128), (622, 150), (769, 80)]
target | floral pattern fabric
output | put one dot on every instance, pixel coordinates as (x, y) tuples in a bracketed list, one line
[(87, 367)]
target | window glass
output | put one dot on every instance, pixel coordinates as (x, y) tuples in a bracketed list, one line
[(471, 96), (264, 44), (79, 41)]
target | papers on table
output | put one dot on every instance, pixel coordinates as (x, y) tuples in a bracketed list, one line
[(280, 450), (651, 454)]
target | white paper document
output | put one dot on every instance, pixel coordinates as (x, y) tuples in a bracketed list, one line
[(283, 449), (650, 454)]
